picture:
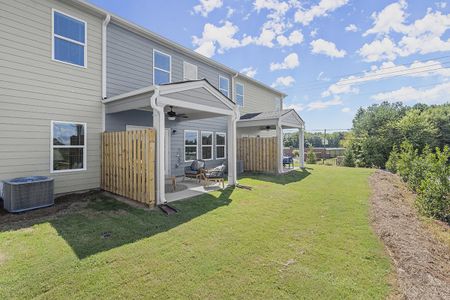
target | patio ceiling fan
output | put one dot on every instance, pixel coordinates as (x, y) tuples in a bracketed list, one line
[(172, 116)]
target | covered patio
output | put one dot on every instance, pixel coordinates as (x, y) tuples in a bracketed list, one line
[(271, 125), (197, 104)]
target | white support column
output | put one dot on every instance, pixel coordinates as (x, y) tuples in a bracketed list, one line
[(159, 124), (231, 151), (280, 147), (301, 146)]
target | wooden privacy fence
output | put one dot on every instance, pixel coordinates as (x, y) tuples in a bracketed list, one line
[(259, 154), (128, 164)]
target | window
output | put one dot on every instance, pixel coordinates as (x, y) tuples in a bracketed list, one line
[(190, 71), (224, 85), (161, 67), (239, 94), (190, 145), (207, 145), (221, 144), (277, 103), (69, 39), (68, 149)]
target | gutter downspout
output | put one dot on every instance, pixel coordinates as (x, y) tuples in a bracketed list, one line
[(104, 25), (158, 124), (233, 97)]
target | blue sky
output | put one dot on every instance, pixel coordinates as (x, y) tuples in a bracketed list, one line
[(330, 56)]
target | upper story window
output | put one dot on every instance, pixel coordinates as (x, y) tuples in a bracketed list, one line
[(68, 150), (277, 103), (239, 94), (190, 71), (69, 39), (224, 86), (162, 66)]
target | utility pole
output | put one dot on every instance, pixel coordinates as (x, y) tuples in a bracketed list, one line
[(324, 145)]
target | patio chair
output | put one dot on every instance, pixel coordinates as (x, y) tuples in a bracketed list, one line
[(288, 160), (195, 170), (215, 175)]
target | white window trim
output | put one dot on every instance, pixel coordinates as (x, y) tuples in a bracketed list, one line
[(184, 70), (85, 44), (156, 68), (243, 93), (228, 85), (84, 148), (184, 145), (224, 145), (211, 146)]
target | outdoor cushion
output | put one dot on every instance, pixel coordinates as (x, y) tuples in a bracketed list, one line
[(197, 165), (189, 171), (217, 172)]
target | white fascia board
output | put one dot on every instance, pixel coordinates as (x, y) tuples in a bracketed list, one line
[(129, 94)]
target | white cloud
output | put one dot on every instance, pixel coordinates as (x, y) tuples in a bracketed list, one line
[(216, 38), (322, 77), (297, 106), (314, 32), (435, 95), (422, 36), (390, 18), (379, 50), (207, 6), (230, 12), (249, 71), (290, 62), (346, 110), (318, 105), (306, 16), (351, 28), (321, 46), (296, 37), (286, 81)]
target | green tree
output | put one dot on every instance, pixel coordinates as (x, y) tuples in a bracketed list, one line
[(311, 156)]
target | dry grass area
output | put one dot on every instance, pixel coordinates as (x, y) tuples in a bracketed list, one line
[(421, 257)]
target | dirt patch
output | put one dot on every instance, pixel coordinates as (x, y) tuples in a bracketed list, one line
[(63, 205), (422, 261)]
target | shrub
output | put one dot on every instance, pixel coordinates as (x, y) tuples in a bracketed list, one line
[(410, 165), (296, 153), (349, 159), (434, 193), (311, 156), (391, 164)]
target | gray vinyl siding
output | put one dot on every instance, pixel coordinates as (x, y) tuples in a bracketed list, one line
[(118, 122), (257, 98), (291, 118), (130, 62), (34, 90), (199, 96)]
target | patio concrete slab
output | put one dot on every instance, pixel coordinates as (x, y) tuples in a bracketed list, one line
[(193, 189)]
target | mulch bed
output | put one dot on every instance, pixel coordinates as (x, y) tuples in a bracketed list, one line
[(422, 262)]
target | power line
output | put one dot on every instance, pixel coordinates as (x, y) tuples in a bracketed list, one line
[(384, 77), (387, 68)]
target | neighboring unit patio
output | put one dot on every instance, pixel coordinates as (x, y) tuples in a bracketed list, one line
[(270, 125)]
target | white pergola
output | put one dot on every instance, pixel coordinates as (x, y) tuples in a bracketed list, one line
[(283, 119), (197, 95)]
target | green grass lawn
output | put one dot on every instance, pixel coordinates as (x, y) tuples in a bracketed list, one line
[(302, 235)]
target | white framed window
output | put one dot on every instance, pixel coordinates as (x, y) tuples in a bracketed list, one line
[(190, 71), (239, 92), (68, 146), (207, 145), (190, 145), (69, 39), (221, 145), (224, 86), (162, 67)]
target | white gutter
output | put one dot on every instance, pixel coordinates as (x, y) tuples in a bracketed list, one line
[(104, 25), (233, 87)]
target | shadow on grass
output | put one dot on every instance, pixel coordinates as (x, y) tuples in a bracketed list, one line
[(105, 223), (287, 178)]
